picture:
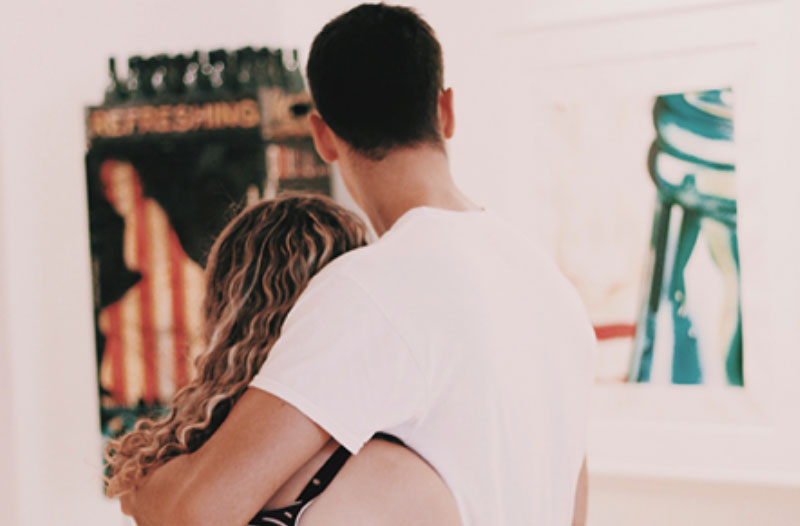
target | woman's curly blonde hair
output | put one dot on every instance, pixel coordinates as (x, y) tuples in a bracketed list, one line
[(257, 268)]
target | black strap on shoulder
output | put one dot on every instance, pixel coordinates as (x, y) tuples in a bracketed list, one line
[(325, 475), (287, 516), (328, 471)]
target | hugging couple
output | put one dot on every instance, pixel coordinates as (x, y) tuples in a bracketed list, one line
[(437, 376)]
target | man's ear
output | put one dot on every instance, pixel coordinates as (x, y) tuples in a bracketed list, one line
[(447, 117), (323, 138)]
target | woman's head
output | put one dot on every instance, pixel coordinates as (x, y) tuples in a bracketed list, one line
[(262, 261), (258, 267)]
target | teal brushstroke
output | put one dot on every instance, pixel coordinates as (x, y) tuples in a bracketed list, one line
[(734, 367), (686, 358), (666, 147), (733, 363), (676, 110), (687, 196), (646, 331), (713, 96)]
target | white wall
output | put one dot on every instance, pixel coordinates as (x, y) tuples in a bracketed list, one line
[(623, 501), (53, 58), (8, 490)]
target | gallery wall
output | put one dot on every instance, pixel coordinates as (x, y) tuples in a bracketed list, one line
[(8, 489), (53, 59)]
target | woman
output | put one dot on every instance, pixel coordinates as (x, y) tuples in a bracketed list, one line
[(257, 268)]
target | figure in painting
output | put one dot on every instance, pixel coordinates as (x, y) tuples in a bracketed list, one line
[(153, 332)]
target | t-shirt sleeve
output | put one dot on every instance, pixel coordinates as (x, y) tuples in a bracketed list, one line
[(340, 361)]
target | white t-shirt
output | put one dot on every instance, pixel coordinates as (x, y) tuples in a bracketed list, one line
[(456, 334)]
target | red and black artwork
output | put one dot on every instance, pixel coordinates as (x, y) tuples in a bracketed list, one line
[(177, 148)]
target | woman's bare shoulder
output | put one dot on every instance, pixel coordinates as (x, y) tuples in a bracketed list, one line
[(385, 484)]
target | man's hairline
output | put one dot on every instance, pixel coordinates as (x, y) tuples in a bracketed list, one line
[(382, 153)]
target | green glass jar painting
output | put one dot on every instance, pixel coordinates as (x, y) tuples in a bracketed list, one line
[(689, 328)]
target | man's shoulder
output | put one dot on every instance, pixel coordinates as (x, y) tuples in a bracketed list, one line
[(345, 276), (349, 265), (365, 263), (379, 276)]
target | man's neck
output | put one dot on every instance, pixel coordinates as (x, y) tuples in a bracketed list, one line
[(406, 178)]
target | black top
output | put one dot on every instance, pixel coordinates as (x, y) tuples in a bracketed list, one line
[(287, 516)]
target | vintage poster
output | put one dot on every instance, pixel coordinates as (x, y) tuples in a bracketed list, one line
[(169, 163)]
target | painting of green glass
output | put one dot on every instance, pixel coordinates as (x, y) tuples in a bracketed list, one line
[(644, 208), (691, 309)]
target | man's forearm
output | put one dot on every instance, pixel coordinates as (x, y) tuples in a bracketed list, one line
[(158, 500), (261, 443)]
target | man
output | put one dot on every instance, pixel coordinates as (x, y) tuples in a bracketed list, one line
[(452, 332)]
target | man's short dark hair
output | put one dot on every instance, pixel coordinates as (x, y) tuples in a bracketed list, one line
[(375, 74)]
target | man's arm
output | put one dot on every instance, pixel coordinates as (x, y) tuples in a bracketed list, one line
[(581, 497), (262, 442)]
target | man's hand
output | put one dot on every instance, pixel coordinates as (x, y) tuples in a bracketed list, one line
[(262, 442)]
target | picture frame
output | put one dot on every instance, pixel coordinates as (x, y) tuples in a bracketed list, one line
[(740, 434)]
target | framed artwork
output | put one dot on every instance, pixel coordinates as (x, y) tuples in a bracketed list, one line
[(656, 149), (156, 202), (174, 152)]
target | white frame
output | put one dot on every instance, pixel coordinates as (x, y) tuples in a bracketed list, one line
[(745, 434)]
